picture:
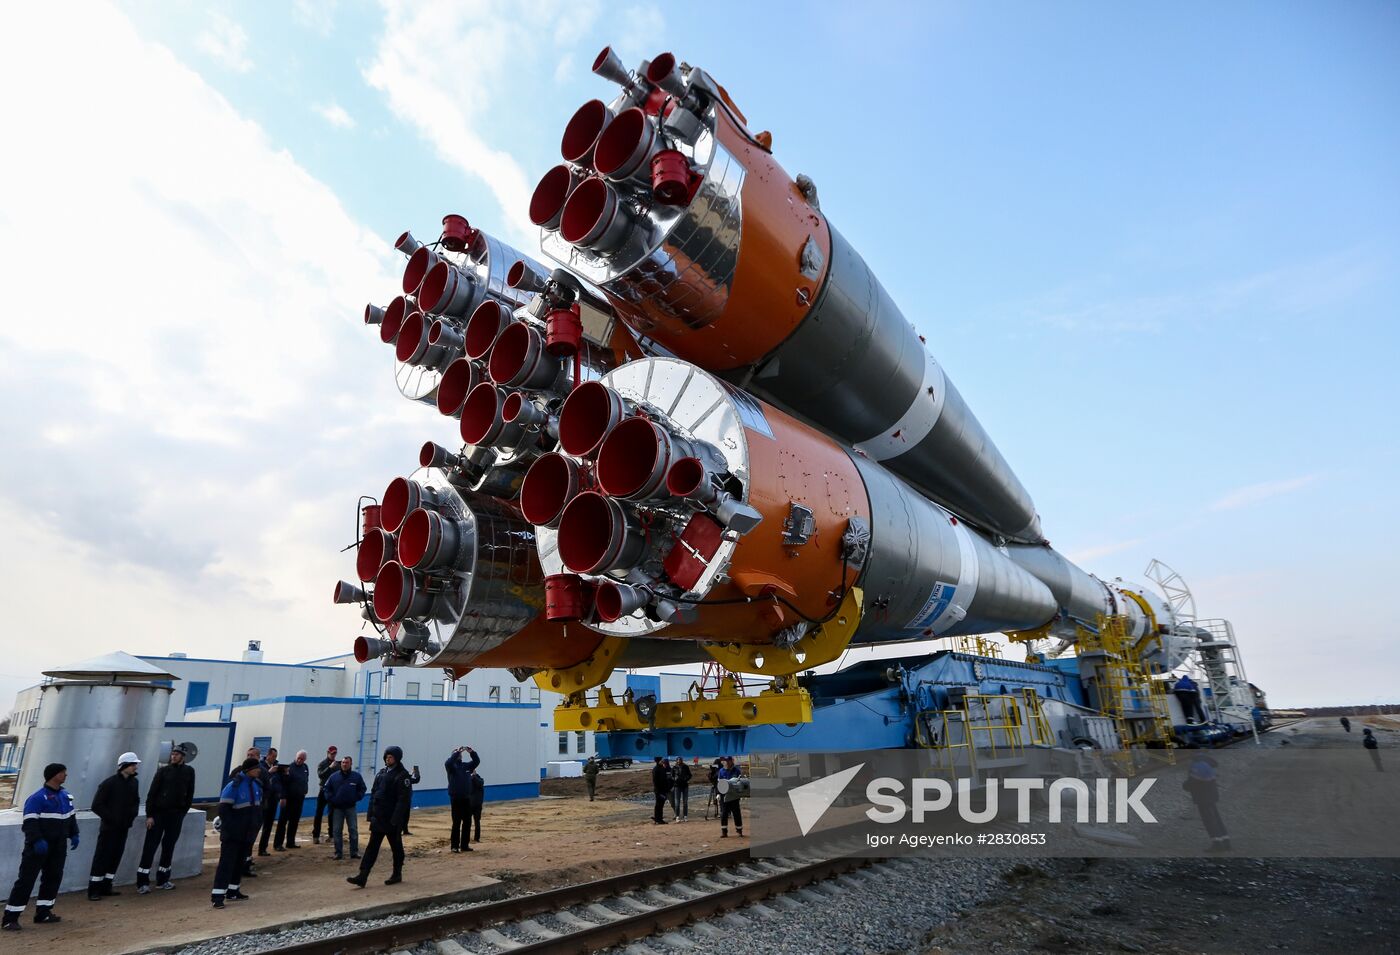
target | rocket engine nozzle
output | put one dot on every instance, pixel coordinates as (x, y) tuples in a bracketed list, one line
[(594, 218), (636, 457), (615, 601), (446, 290), (374, 315), (407, 244), (394, 315), (551, 193), (520, 359), (373, 648), (664, 72), (597, 534), (348, 593), (398, 593), (401, 497), (457, 382), (689, 479), (483, 418), (377, 548), (487, 322), (411, 345), (551, 483), (431, 542), (433, 455), (608, 65), (589, 414), (419, 263), (525, 277), (626, 146), (581, 133)]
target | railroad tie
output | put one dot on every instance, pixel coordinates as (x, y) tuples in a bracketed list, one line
[(492, 937), (573, 921), (710, 884), (677, 940), (535, 928), (707, 930), (758, 908), (447, 946), (736, 921), (603, 912), (636, 904), (637, 948), (787, 903)]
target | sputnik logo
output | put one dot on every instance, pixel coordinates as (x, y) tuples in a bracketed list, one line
[(810, 801)]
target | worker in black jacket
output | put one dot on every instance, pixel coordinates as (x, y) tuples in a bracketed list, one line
[(274, 780), (240, 811), (388, 808), (116, 803), (296, 779), (50, 827), (459, 792), (323, 772), (661, 788), (478, 799), (167, 800)]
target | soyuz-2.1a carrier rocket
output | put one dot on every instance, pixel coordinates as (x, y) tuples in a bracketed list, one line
[(705, 432)]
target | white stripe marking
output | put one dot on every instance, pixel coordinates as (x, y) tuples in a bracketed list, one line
[(916, 422)]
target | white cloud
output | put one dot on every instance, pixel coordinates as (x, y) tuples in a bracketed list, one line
[(316, 15), (1257, 493), (192, 406), (226, 42), (336, 115)]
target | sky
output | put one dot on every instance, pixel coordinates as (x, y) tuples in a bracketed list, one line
[(1156, 249)]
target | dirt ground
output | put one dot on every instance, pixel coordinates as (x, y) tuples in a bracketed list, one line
[(1219, 906), (527, 844)]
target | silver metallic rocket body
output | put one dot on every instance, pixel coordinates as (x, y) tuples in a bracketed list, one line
[(857, 369)]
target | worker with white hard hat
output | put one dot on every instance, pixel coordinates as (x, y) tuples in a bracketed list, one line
[(116, 803)]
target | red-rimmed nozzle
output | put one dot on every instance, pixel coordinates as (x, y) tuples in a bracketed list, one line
[(626, 146), (665, 72), (686, 477), (482, 421), (372, 648), (594, 218), (582, 131), (398, 593), (547, 201), (429, 541), (457, 382), (608, 65), (525, 277), (589, 413), (551, 483), (393, 320), (374, 315), (597, 534), (635, 458), (446, 290), (434, 455), (488, 321), (520, 359), (417, 268), (377, 548), (400, 497), (615, 601), (348, 593), (412, 340), (407, 244)]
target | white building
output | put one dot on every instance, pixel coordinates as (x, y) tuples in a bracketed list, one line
[(226, 706)]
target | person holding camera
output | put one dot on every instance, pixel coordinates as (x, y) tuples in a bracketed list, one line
[(459, 792)]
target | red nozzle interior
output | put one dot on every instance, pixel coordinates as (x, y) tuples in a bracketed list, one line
[(361, 650), (549, 195), (410, 336), (628, 457), (517, 270), (512, 406), (585, 532), (457, 381), (434, 285), (402, 240), (608, 601), (479, 413), (584, 419), (601, 58), (435, 332), (546, 488), (584, 209), (619, 141), (685, 476), (393, 320), (582, 130), (418, 265), (400, 497), (390, 588), (482, 328), (427, 453), (413, 539), (376, 547), (509, 353), (660, 67)]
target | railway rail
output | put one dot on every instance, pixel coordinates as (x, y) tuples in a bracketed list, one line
[(597, 915)]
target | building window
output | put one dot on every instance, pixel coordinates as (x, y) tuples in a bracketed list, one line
[(462, 692), (437, 691), (563, 744), (579, 744), (410, 691), (494, 694), (239, 697), (534, 694), (515, 694)]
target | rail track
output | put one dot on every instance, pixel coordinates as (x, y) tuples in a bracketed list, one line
[(596, 915)]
